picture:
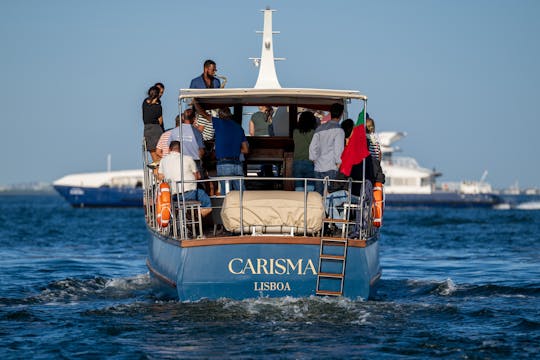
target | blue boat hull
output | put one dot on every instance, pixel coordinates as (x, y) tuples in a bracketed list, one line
[(442, 199), (102, 196), (251, 267)]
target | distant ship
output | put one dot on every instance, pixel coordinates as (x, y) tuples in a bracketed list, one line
[(409, 184), (516, 198), (102, 189)]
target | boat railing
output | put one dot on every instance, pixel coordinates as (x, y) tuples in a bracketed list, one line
[(337, 196), (342, 201)]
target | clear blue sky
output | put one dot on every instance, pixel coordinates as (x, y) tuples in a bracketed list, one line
[(462, 78)]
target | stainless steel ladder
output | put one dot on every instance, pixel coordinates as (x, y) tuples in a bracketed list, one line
[(332, 259)]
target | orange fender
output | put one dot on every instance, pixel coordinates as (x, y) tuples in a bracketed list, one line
[(163, 205), (378, 204)]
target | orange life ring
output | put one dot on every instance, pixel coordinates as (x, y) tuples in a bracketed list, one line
[(163, 205), (378, 204)]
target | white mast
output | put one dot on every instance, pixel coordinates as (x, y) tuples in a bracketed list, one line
[(267, 71)]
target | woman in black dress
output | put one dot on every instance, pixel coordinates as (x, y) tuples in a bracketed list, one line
[(153, 121)]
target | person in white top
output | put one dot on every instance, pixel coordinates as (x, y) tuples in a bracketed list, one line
[(169, 169)]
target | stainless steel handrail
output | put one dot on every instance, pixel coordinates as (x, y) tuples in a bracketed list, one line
[(150, 184)]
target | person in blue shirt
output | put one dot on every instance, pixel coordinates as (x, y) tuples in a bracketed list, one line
[(207, 80), (192, 144), (231, 142)]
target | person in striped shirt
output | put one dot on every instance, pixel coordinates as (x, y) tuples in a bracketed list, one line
[(373, 140), (205, 127), (162, 147)]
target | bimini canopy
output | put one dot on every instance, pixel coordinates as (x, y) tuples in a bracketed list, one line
[(309, 98)]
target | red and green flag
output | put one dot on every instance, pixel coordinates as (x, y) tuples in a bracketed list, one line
[(357, 148)]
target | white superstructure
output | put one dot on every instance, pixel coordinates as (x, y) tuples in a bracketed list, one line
[(122, 178), (403, 174)]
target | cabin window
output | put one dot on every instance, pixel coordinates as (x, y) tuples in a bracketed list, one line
[(280, 120), (403, 181), (247, 112)]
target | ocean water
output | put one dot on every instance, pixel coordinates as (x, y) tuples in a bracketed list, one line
[(457, 284)]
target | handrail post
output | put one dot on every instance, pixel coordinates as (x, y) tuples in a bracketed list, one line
[(241, 198), (305, 206)]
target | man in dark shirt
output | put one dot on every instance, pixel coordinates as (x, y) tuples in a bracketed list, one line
[(374, 173), (207, 80), (231, 142)]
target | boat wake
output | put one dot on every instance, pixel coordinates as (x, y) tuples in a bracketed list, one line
[(405, 290), (502, 206), (533, 205), (310, 309), (530, 205), (306, 310), (72, 290)]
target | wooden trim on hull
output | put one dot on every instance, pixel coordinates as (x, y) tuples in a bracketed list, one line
[(160, 276), (243, 240)]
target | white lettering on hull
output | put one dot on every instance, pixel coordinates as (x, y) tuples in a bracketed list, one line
[(271, 286), (260, 266)]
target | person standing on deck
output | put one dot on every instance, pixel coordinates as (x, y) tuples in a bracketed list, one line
[(326, 147), (302, 136), (207, 80), (192, 144), (373, 173), (231, 142), (372, 139), (260, 123), (161, 88), (162, 147), (152, 115), (169, 169)]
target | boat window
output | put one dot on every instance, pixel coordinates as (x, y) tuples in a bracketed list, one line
[(280, 120), (247, 112), (401, 181), (125, 181), (426, 181)]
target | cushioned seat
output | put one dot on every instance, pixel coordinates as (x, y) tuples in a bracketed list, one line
[(273, 211)]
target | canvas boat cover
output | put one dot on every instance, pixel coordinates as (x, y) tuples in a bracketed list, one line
[(273, 211)]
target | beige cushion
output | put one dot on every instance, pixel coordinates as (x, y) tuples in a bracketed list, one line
[(273, 211)]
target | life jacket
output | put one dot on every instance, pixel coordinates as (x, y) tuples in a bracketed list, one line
[(378, 204), (163, 204)]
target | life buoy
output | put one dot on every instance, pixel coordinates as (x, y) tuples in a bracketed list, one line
[(163, 205), (378, 204)]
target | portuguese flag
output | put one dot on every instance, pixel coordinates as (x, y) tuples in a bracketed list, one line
[(357, 148)]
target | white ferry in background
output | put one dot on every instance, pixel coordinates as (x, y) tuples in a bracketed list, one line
[(121, 188), (409, 184)]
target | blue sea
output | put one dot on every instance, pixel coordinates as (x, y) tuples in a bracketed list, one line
[(457, 284)]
